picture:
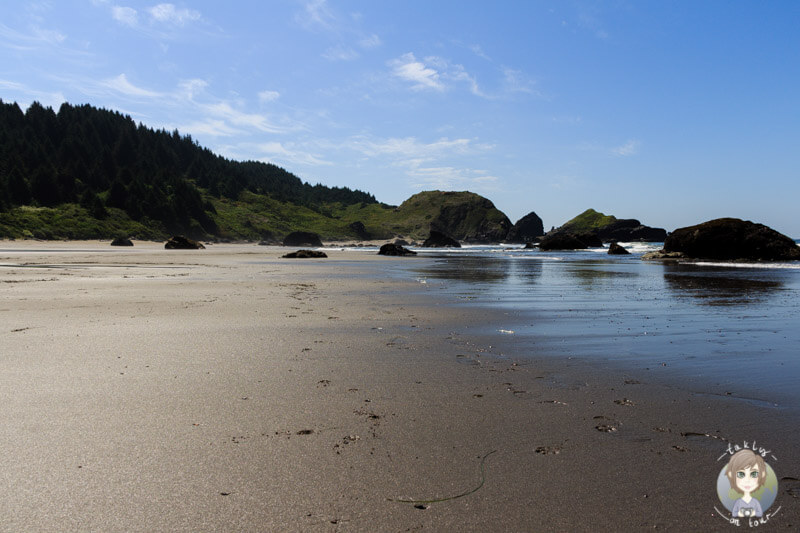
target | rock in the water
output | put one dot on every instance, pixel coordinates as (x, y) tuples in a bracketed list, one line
[(438, 239), (569, 241), (464, 216), (122, 241), (179, 242), (732, 239), (610, 228), (529, 245), (392, 248), (526, 229), (305, 254), (302, 238), (616, 249)]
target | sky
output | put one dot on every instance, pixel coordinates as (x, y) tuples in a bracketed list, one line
[(671, 112)]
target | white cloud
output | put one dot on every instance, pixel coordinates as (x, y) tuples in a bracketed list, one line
[(268, 96), (168, 13), (122, 85), (233, 116), (370, 42), (409, 69), (515, 82), (125, 15), (411, 149), (193, 87), (316, 13), (289, 153), (629, 148), (210, 127)]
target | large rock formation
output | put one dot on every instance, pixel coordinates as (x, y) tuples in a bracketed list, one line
[(731, 239), (437, 239), (559, 240), (464, 216), (526, 229), (302, 238), (610, 228)]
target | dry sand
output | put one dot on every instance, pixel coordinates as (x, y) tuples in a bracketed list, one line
[(230, 390)]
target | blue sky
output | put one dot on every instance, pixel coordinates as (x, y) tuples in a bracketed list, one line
[(672, 112)]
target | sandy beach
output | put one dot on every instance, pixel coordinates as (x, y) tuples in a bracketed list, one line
[(228, 389)]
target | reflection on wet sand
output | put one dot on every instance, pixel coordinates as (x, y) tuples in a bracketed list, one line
[(720, 287)]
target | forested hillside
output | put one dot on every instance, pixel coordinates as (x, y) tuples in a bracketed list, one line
[(87, 163)]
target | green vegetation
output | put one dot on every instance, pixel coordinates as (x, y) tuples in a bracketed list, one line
[(88, 173), (588, 221), (91, 171)]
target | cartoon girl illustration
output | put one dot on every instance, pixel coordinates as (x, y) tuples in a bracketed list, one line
[(746, 472)]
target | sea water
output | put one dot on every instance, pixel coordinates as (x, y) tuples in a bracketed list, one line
[(713, 327)]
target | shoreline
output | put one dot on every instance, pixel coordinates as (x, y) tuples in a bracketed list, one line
[(185, 390)]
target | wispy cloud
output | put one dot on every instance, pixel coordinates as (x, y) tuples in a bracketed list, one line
[(371, 41), (316, 14), (122, 85), (125, 15), (169, 14), (629, 148), (340, 53), (422, 77), (276, 152), (451, 178), (268, 96)]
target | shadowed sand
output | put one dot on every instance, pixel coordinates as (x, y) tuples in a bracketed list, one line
[(231, 390)]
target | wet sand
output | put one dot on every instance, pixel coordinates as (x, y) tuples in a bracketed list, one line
[(230, 390)]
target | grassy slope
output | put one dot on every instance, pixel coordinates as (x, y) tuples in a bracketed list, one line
[(252, 217), (589, 220)]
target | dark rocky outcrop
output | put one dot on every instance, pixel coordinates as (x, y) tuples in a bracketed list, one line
[(122, 241), (609, 228), (305, 254), (529, 246), (464, 216), (616, 249), (569, 241), (731, 239), (179, 242), (437, 239), (526, 229), (360, 230), (630, 229), (392, 248), (302, 238)]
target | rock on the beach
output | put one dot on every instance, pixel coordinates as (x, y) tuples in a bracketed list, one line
[(526, 229), (302, 238), (360, 230), (392, 248), (616, 249), (179, 242), (122, 241), (569, 241), (305, 254), (437, 239), (732, 239)]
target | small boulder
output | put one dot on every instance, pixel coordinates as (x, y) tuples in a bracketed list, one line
[(305, 254), (392, 248), (302, 238), (616, 249), (732, 239), (437, 239), (122, 241), (529, 246), (179, 242)]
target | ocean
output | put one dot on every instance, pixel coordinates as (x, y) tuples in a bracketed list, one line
[(711, 327)]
